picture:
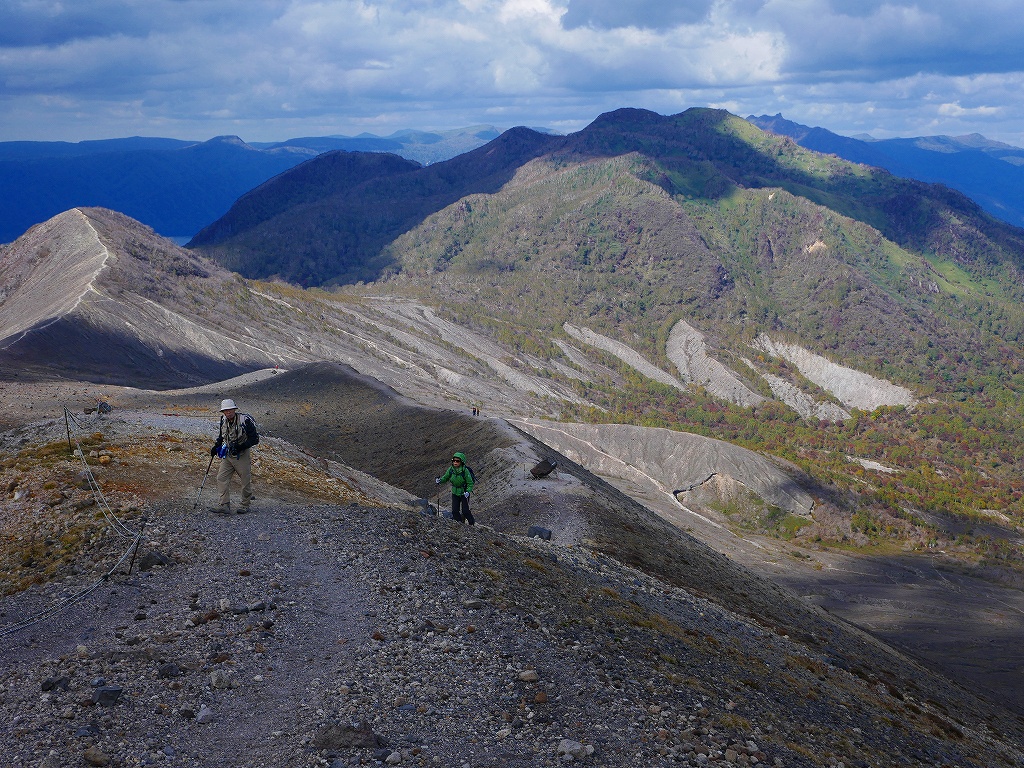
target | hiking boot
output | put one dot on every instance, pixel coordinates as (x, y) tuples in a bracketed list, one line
[(223, 510)]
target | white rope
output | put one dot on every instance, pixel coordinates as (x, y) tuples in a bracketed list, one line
[(119, 527)]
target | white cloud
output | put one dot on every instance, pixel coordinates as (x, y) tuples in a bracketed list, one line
[(955, 110), (270, 68)]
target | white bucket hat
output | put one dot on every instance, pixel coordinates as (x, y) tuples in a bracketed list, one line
[(228, 405)]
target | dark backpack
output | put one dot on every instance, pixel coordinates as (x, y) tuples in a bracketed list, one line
[(472, 475), (252, 434)]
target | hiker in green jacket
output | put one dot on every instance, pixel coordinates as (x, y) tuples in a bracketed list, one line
[(461, 477)]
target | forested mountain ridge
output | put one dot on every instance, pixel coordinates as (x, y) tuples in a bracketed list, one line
[(175, 186), (990, 172), (640, 220), (334, 215)]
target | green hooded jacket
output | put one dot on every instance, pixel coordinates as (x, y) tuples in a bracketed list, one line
[(460, 478)]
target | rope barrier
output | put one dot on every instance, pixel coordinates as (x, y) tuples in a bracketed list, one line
[(116, 525), (119, 527), (67, 602)]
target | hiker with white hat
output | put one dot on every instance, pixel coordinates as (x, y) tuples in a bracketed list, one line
[(238, 434)]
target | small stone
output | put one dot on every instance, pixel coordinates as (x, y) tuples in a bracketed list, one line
[(540, 698), (223, 679), (536, 531), (52, 683), (393, 759), (169, 669), (153, 559), (107, 695), (529, 676), (571, 748), (344, 736), (96, 756), (205, 715)]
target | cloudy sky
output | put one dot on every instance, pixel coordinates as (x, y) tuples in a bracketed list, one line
[(273, 69)]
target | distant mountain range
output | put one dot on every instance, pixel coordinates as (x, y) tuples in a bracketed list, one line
[(178, 187), (698, 215), (989, 172)]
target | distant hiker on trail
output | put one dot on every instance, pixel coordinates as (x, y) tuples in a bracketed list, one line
[(461, 477), (237, 436)]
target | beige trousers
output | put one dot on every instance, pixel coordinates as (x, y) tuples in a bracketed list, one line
[(242, 466)]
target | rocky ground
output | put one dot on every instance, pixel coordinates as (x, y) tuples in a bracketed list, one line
[(337, 624)]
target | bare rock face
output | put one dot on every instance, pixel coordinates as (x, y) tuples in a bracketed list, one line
[(625, 353), (853, 388), (96, 294), (672, 461), (688, 351), (48, 272), (801, 402)]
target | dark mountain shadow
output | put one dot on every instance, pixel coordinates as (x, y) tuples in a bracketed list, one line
[(104, 356), (950, 618)]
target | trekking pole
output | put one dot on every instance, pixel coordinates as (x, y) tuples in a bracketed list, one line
[(203, 483)]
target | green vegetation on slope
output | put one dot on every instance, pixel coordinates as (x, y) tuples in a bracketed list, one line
[(599, 245)]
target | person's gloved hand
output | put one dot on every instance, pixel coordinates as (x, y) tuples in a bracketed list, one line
[(437, 481), (466, 494), (216, 447), (222, 451)]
